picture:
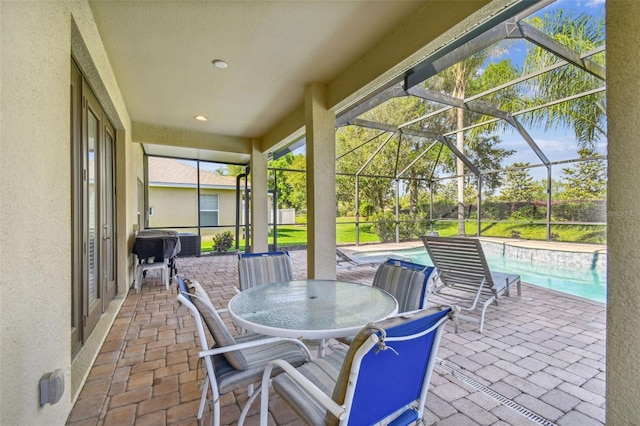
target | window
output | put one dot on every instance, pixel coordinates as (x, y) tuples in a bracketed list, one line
[(209, 208)]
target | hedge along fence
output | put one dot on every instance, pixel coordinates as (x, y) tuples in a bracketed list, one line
[(580, 215), (589, 211)]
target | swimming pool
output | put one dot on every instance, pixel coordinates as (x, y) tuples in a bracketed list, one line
[(589, 283)]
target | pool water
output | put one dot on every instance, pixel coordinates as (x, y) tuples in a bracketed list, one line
[(582, 282)]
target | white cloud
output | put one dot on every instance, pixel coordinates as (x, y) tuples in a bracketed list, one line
[(594, 3), (561, 145), (579, 4), (558, 145)]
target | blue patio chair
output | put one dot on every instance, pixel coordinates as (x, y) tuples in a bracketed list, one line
[(232, 361), (384, 374), (255, 269)]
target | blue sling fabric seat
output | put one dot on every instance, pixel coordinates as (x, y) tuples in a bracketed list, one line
[(405, 281), (384, 374)]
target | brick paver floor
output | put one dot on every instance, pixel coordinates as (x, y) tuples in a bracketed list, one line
[(543, 353)]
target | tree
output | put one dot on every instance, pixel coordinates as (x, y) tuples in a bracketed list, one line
[(404, 149), (519, 191), (461, 80), (398, 153), (587, 180), (287, 182), (298, 183), (457, 77), (487, 155), (494, 75), (235, 170), (519, 184), (358, 145), (583, 191), (379, 157), (586, 116)]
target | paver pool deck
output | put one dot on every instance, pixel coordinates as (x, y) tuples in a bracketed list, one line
[(542, 353)]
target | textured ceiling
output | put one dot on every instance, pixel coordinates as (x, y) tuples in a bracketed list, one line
[(162, 52)]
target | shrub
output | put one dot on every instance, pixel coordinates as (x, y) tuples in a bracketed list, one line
[(385, 226), (366, 227), (410, 227), (413, 226), (529, 212), (222, 242), (580, 211), (366, 209), (495, 211)]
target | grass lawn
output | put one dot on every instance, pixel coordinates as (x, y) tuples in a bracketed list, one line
[(593, 234), (296, 235)]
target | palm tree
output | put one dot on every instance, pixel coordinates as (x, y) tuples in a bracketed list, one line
[(586, 116), (456, 80)]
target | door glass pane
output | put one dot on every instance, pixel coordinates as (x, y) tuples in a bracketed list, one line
[(109, 222), (92, 129)]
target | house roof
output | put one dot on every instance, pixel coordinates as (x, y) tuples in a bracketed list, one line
[(173, 172)]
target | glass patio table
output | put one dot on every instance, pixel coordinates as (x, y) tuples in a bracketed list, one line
[(311, 309)]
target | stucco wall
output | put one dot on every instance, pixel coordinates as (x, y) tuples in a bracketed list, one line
[(35, 199), (623, 213), (34, 213), (134, 173), (173, 206)]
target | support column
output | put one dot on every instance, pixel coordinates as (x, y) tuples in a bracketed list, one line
[(259, 199), (623, 213), (321, 183)]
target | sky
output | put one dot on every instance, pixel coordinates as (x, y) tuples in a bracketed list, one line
[(591, 7), (557, 144)]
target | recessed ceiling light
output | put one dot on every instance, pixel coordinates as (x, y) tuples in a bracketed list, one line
[(219, 63), (200, 117)]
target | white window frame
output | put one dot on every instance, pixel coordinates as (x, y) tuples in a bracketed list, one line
[(205, 210)]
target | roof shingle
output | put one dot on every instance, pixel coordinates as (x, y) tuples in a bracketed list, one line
[(174, 171)]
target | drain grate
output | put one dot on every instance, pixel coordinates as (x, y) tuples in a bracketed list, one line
[(495, 395)]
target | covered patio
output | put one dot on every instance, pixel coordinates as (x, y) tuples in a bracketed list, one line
[(122, 355), (540, 360)]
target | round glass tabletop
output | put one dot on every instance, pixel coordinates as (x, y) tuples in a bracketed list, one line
[(310, 309)]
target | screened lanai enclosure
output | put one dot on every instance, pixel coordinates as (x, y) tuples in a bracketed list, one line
[(503, 136)]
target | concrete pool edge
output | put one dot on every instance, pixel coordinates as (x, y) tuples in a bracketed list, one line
[(592, 256)]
